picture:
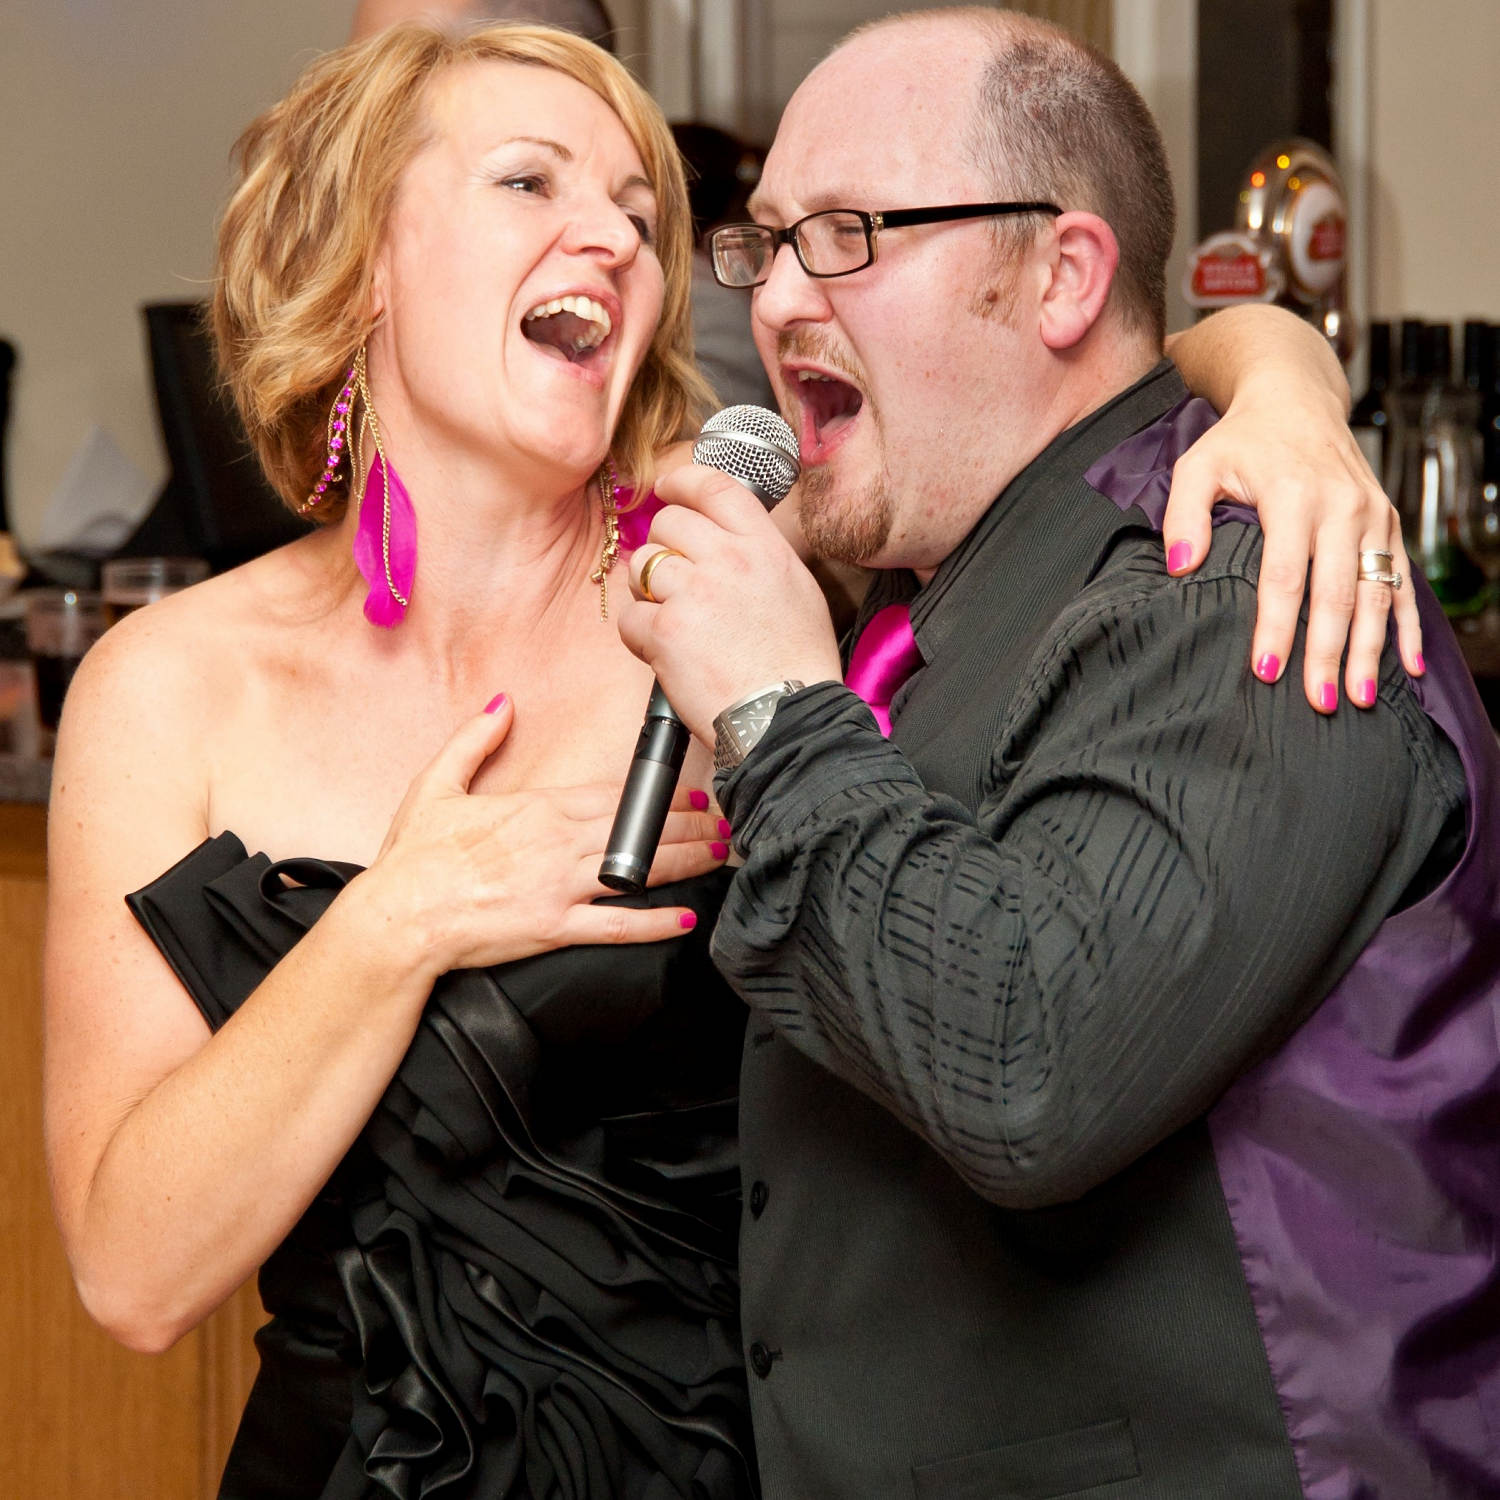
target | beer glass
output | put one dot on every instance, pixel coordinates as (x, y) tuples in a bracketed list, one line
[(61, 624), (129, 582)]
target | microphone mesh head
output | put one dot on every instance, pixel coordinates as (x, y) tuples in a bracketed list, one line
[(752, 445)]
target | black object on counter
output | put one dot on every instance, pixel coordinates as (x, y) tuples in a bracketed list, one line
[(216, 502), (7, 365)]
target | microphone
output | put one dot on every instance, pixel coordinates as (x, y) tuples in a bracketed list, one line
[(757, 448)]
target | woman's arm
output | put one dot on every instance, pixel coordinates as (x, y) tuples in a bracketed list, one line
[(180, 1159), (1284, 447)]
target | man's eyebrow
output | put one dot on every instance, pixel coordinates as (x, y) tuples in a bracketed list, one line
[(817, 203)]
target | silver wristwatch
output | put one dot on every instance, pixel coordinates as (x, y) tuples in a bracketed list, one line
[(738, 730)]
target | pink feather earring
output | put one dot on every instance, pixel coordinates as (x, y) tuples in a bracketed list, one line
[(385, 540)]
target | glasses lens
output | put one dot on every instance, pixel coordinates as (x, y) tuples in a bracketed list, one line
[(833, 243), (741, 254)]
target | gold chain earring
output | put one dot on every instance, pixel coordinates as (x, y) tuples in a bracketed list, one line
[(369, 421)]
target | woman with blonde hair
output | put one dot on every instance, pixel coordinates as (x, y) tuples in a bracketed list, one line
[(455, 273), (373, 1031)]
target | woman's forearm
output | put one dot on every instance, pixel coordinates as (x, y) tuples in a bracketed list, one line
[(1256, 344), (205, 1175)]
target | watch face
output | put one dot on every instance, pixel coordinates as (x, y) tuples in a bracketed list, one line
[(738, 730), (752, 721)]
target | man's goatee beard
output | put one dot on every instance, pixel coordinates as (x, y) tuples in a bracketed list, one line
[(850, 530)]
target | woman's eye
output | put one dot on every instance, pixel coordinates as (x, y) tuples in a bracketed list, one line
[(526, 182), (642, 227)]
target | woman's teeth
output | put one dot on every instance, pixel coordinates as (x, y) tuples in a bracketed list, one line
[(591, 315)]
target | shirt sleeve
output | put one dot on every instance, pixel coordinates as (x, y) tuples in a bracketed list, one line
[(1174, 864)]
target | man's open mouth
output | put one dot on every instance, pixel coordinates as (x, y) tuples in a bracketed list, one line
[(570, 327), (828, 406)]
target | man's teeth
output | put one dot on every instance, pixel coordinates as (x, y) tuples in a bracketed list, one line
[(812, 375), (591, 312)]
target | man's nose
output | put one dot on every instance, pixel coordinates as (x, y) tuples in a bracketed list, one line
[(788, 295)]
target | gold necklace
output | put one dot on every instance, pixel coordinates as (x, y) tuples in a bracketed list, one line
[(610, 553)]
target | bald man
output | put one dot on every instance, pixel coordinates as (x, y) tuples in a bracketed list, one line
[(1119, 1096)]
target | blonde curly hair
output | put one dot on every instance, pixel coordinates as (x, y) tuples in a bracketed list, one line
[(298, 241)]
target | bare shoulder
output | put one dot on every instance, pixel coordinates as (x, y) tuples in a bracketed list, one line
[(152, 697)]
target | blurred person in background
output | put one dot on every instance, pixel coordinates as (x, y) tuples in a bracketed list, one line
[(721, 172), (586, 18)]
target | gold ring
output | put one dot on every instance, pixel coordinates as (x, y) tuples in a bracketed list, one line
[(1375, 560), (649, 567), (1374, 575)]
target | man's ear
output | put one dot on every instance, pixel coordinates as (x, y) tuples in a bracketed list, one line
[(1085, 254)]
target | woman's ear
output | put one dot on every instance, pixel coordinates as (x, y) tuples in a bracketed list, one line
[(1083, 269), (379, 288)]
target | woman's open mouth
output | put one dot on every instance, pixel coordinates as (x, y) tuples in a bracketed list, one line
[(828, 407), (569, 328)]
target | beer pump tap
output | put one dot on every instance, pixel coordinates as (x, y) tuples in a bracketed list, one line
[(1288, 244)]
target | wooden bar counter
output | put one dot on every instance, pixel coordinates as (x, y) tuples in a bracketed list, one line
[(86, 1419)]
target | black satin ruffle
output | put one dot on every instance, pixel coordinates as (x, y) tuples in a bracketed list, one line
[(521, 1280)]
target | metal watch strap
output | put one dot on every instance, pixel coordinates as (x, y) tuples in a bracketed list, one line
[(738, 729)]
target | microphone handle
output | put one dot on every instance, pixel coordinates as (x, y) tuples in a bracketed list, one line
[(647, 796)]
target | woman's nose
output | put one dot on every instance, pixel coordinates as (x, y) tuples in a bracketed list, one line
[(605, 228)]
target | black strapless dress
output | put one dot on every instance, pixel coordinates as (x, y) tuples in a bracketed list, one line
[(521, 1280)]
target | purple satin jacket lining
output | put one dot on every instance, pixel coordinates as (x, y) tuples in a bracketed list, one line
[(1359, 1164)]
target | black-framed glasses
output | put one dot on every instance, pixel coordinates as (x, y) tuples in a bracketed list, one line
[(836, 241)]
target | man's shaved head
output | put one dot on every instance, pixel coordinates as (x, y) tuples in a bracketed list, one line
[(1056, 120)]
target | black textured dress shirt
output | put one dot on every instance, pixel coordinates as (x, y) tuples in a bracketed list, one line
[(1000, 967)]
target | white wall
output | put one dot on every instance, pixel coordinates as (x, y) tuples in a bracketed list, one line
[(1155, 43), (1435, 143), (116, 122)]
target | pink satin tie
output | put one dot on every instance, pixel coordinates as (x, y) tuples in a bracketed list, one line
[(885, 655)]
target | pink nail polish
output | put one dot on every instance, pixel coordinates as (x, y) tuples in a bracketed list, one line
[(1328, 697), (725, 831), (1267, 667), (493, 705), (719, 851), (699, 800), (1367, 691), (687, 921), (1179, 556), (1421, 663)]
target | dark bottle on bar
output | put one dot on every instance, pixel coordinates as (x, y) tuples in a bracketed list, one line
[(1403, 411), (1489, 400), (1480, 519), (1369, 421), (1475, 333), (1439, 469)]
